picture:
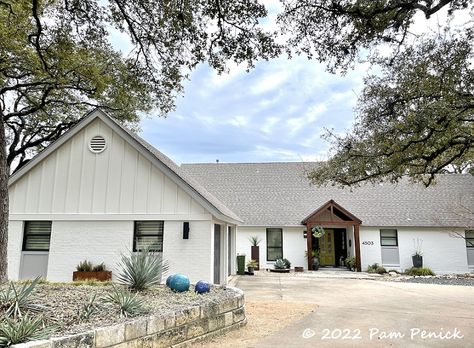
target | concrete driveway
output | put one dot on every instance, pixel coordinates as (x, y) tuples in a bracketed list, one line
[(365, 312)]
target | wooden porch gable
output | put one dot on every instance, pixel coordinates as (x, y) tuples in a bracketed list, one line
[(332, 213)]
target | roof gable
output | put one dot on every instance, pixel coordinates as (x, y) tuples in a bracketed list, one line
[(159, 160), (335, 212)]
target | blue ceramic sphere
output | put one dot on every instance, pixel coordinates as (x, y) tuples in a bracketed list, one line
[(179, 283), (202, 287), (168, 280)]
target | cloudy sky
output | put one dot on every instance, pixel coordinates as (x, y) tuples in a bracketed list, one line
[(275, 112)]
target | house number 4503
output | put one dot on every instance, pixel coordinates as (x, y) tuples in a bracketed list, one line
[(368, 242)]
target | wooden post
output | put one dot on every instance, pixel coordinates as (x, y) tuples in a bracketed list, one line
[(357, 247), (309, 244)]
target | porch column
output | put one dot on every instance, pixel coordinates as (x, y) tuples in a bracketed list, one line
[(309, 244), (357, 247)]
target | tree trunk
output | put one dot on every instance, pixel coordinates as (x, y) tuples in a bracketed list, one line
[(4, 174)]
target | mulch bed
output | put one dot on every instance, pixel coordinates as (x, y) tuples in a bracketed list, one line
[(62, 304)]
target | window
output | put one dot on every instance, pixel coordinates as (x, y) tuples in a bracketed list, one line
[(470, 239), (274, 244), (148, 234), (388, 238), (37, 235)]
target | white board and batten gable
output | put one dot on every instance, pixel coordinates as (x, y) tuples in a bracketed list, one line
[(93, 183)]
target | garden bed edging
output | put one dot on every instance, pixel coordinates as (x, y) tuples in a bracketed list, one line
[(180, 329)]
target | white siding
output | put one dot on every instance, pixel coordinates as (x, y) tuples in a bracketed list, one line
[(73, 180), (15, 240)]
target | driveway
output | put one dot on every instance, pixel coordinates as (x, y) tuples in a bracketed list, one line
[(363, 312)]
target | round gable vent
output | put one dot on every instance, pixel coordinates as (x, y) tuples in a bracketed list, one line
[(97, 144)]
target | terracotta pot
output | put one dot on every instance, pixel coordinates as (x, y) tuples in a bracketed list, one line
[(255, 255), (100, 276)]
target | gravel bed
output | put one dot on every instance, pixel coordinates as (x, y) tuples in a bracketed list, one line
[(62, 304), (460, 279)]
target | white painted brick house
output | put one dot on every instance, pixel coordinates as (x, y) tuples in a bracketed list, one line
[(100, 189), (88, 194)]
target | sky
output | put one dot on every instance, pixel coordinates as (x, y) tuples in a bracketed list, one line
[(276, 112)]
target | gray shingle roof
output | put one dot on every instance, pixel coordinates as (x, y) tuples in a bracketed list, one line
[(278, 194)]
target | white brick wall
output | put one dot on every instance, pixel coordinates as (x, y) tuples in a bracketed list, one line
[(192, 256), (96, 241)]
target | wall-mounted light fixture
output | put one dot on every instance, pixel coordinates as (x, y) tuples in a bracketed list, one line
[(185, 230), (305, 234)]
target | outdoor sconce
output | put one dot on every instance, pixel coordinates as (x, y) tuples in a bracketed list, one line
[(186, 230), (350, 243), (305, 234)]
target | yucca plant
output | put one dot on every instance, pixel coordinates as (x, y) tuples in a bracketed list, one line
[(129, 304), (22, 330), (14, 300), (254, 240), (89, 308), (141, 270)]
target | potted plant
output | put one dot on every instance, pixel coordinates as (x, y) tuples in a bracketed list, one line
[(255, 250), (417, 257), (351, 263), (86, 270), (315, 257), (281, 266), (251, 266)]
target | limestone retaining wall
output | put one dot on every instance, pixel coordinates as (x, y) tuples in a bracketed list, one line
[(176, 330)]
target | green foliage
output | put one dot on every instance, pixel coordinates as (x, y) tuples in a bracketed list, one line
[(287, 263), (141, 270), (414, 271), (99, 268), (22, 330), (351, 263), (14, 300), (252, 263), (84, 266), (314, 254), (89, 308), (280, 264), (128, 303), (254, 240), (414, 119), (376, 268)]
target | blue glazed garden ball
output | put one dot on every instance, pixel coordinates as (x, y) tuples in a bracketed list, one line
[(202, 287), (168, 280), (179, 283)]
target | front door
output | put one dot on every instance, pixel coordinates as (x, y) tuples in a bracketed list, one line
[(326, 249)]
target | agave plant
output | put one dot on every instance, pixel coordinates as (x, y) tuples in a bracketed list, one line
[(89, 308), (280, 264), (141, 270), (22, 330), (129, 304), (14, 300)]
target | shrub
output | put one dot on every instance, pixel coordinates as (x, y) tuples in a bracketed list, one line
[(13, 300), (376, 268), (129, 304), (141, 270), (99, 268), (280, 264), (84, 266), (351, 263), (424, 271), (22, 330)]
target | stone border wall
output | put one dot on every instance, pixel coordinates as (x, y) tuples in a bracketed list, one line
[(180, 329)]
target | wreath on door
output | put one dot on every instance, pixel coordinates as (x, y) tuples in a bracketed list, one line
[(318, 231)]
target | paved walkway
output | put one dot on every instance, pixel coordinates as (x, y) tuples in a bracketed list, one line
[(365, 312)]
